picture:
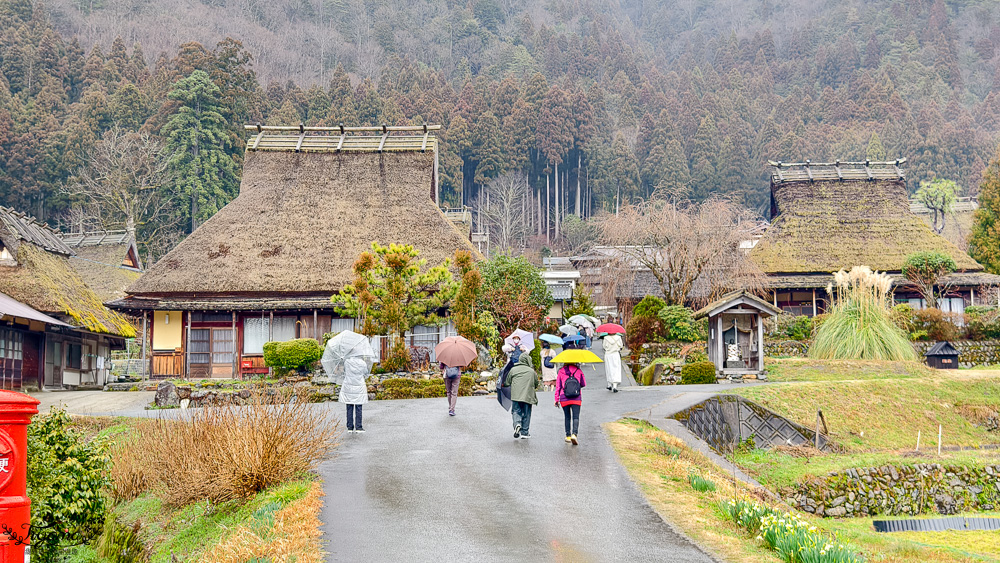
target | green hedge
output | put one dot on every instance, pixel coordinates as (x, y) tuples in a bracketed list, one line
[(299, 354), (406, 388), (698, 373)]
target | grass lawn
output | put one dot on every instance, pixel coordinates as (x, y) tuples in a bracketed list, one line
[(660, 465), (805, 369), (875, 414)]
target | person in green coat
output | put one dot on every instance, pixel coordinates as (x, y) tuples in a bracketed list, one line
[(522, 380)]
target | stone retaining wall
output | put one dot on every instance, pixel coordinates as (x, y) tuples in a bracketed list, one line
[(972, 353), (892, 490)]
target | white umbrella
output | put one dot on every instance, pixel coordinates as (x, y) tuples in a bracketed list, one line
[(581, 321), (527, 339), (345, 345)]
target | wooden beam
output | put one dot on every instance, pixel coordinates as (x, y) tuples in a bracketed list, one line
[(144, 336), (187, 346), (234, 346)]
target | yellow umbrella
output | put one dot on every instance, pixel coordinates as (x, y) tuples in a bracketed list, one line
[(577, 357)]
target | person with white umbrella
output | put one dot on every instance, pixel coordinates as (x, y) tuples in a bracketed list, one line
[(348, 360)]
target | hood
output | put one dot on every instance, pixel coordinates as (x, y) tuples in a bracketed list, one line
[(525, 360)]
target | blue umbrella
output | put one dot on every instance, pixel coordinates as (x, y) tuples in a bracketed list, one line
[(551, 339), (573, 338)]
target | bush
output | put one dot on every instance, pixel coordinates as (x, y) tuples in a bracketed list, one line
[(202, 457), (641, 330), (294, 355), (678, 324), (406, 388), (649, 307), (698, 373), (800, 329), (935, 324), (536, 356), (984, 322), (66, 478)]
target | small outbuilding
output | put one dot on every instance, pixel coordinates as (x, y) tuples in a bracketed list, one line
[(736, 333), (942, 356)]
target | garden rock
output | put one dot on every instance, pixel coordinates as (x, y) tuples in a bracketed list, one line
[(166, 395)]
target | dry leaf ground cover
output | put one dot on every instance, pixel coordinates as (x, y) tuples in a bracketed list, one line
[(661, 464)]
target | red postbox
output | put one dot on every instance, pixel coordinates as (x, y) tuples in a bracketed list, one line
[(16, 410)]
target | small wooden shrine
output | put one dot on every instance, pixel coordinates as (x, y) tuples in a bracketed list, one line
[(736, 333)]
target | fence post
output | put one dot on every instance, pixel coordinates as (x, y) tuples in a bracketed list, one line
[(939, 439)]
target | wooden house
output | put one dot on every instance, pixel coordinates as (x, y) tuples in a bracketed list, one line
[(264, 268), (736, 333), (833, 216), (35, 271)]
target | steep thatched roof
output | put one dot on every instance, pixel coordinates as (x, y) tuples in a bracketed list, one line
[(45, 281), (107, 261), (300, 222), (828, 225)]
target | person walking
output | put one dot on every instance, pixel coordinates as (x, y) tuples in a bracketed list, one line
[(522, 380), (568, 395), (513, 352), (452, 377), (354, 391), (548, 368), (613, 360)]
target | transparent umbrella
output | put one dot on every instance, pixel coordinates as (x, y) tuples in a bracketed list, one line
[(345, 345)]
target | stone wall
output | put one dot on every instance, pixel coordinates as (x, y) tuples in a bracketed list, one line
[(972, 353), (898, 490)]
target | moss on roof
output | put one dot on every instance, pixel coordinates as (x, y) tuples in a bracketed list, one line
[(47, 282), (826, 226)]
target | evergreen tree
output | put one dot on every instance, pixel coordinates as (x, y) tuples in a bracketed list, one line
[(488, 149), (984, 242), (196, 142)]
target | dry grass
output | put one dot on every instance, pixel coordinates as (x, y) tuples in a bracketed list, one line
[(293, 537), (223, 453)]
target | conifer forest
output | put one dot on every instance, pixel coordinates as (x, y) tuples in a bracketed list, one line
[(594, 103)]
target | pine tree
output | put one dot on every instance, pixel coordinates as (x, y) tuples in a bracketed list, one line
[(875, 151), (488, 149), (196, 142)]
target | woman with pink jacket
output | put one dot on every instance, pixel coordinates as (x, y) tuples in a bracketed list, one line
[(569, 384)]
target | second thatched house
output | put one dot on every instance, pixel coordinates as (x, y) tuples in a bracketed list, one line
[(265, 266), (828, 217)]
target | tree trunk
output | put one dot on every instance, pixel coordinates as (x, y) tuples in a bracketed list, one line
[(579, 163), (548, 208), (556, 179)]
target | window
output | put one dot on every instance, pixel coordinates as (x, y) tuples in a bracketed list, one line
[(73, 356), (211, 317), (200, 345), (256, 332)]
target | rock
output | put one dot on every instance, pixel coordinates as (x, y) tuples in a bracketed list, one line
[(184, 392), (480, 392), (838, 501), (491, 386), (185, 403), (166, 395)]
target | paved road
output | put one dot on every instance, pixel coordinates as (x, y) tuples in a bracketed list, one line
[(422, 486)]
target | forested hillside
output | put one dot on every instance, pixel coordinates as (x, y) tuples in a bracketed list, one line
[(593, 102)]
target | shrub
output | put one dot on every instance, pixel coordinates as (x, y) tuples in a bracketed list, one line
[(294, 355), (700, 483), (678, 324), (406, 388), (536, 356), (860, 324), (984, 322), (694, 353), (934, 324), (649, 307), (801, 328), (641, 330), (698, 373), (66, 475), (202, 457)]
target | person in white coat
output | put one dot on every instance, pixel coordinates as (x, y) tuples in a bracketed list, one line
[(613, 360), (354, 391)]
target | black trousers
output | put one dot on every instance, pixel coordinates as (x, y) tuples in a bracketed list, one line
[(571, 414), (354, 417)]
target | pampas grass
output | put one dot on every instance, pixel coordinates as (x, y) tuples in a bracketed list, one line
[(859, 326)]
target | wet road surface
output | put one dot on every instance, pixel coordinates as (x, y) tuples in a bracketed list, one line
[(422, 486)]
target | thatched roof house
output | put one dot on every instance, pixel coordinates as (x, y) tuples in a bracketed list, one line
[(108, 261), (828, 217), (265, 266), (35, 270)]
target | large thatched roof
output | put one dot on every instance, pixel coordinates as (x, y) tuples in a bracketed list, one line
[(300, 222), (827, 225), (107, 261)]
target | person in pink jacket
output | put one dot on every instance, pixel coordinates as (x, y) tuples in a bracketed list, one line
[(569, 396)]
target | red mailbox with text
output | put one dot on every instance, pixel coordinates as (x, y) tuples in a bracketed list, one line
[(16, 410)]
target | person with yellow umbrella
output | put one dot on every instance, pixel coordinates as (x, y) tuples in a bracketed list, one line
[(569, 388)]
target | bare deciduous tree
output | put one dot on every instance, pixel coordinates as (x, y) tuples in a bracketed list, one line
[(684, 246), (121, 186), (503, 209)]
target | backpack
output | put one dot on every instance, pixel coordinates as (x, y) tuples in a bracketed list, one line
[(571, 387), (452, 372)]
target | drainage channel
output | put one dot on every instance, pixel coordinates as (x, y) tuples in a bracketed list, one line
[(937, 524)]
